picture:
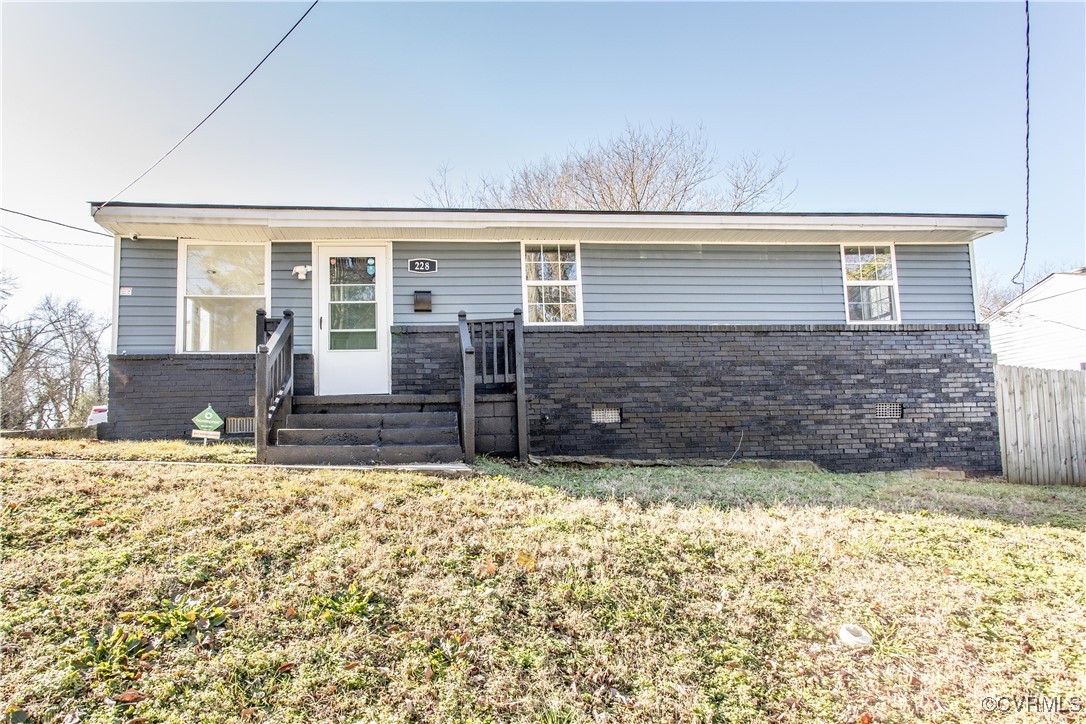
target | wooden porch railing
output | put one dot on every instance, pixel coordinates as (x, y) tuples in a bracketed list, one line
[(490, 355), (467, 390), (274, 375)]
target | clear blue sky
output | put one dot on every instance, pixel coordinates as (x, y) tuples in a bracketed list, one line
[(881, 107)]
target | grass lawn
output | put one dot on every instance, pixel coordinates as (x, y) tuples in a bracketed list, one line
[(184, 593)]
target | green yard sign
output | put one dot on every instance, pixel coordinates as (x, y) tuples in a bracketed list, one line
[(208, 420)]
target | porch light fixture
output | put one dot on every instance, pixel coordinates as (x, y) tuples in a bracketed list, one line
[(301, 271)]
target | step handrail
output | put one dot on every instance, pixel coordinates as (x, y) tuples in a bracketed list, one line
[(274, 376), (467, 389)]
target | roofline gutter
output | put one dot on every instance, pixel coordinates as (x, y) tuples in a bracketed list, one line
[(299, 217)]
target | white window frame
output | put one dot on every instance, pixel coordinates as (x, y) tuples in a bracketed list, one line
[(182, 283), (575, 283), (846, 283)]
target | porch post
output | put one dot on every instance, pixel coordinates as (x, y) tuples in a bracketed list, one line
[(260, 413), (261, 330), (467, 389), (522, 399)]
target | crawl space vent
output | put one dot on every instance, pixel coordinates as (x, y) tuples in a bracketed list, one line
[(240, 425), (604, 415), (889, 410)]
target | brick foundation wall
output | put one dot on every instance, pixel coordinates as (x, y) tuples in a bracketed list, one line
[(790, 392), (496, 424), (156, 396), (425, 360)]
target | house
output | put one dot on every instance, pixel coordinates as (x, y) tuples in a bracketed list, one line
[(847, 339), (1045, 326)]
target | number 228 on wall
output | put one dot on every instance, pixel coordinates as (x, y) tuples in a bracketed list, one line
[(422, 266)]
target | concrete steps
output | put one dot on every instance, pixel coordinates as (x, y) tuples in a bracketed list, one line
[(369, 430)]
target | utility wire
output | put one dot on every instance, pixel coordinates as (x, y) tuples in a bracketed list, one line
[(209, 115), (50, 221), (61, 254), (1018, 278), (1051, 296), (46, 261), (60, 243)]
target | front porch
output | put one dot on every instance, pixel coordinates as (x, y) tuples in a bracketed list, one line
[(487, 413)]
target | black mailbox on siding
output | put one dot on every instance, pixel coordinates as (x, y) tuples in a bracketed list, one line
[(423, 302)]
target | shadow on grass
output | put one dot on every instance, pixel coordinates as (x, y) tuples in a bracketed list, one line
[(740, 487)]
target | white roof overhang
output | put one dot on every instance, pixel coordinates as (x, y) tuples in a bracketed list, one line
[(260, 223)]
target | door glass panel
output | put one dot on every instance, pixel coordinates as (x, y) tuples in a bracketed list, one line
[(352, 270), (361, 315), (353, 293), (354, 340), (352, 305)]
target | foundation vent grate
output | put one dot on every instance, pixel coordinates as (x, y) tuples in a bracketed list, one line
[(889, 410), (605, 415), (240, 425)]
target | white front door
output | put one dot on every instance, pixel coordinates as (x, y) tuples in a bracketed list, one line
[(352, 319)]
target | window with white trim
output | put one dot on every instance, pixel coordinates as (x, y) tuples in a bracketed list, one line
[(870, 284), (224, 285), (551, 283)]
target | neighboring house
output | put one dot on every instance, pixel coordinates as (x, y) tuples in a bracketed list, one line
[(846, 339), (1045, 326)]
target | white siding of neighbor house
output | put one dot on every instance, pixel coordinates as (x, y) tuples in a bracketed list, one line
[(1046, 327), (146, 319), (935, 282), (711, 284), (289, 292), (481, 278)]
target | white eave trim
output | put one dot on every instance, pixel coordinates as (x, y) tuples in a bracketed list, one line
[(352, 218)]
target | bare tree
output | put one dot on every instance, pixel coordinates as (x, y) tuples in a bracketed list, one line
[(8, 284), (53, 366), (993, 292), (657, 169)]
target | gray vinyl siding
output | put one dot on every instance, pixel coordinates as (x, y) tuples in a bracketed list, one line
[(289, 292), (482, 278), (621, 284), (935, 283), (711, 284), (147, 320)]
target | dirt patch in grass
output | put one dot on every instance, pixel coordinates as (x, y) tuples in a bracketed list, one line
[(233, 594)]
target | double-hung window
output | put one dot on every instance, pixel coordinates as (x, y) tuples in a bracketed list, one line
[(551, 283), (224, 285), (870, 284)]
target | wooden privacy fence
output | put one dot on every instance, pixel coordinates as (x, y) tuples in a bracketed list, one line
[(1042, 424)]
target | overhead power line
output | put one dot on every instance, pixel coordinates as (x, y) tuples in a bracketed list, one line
[(1051, 296), (60, 243), (63, 268), (50, 221), (60, 254), (209, 115), (1018, 278)]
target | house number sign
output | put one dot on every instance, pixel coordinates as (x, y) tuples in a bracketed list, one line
[(422, 266)]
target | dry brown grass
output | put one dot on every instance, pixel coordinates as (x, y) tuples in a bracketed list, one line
[(160, 450), (548, 595)]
